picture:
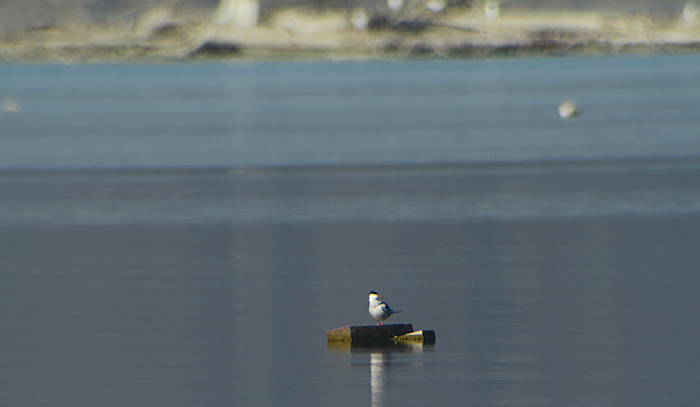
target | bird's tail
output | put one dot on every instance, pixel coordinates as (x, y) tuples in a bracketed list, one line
[(393, 311)]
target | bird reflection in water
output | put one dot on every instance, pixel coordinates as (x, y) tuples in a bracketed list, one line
[(380, 360), (377, 376)]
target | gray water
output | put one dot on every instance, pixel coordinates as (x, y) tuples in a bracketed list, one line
[(184, 235)]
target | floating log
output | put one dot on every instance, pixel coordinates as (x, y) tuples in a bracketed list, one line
[(423, 336), (368, 332)]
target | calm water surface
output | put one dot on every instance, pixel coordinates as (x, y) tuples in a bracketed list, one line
[(184, 235)]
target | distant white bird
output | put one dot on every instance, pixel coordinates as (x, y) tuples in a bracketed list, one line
[(394, 5), (435, 6), (568, 110), (492, 9), (379, 310), (691, 11)]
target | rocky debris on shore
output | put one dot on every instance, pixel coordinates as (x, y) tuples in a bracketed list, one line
[(397, 29)]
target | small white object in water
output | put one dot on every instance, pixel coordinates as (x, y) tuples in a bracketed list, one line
[(568, 110), (10, 105)]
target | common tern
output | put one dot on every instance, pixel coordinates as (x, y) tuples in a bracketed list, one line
[(379, 310)]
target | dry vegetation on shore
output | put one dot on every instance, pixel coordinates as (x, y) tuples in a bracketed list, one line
[(422, 28)]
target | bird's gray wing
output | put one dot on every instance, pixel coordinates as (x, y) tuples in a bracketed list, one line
[(386, 308)]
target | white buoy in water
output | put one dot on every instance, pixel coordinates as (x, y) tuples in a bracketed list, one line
[(10, 105), (568, 110)]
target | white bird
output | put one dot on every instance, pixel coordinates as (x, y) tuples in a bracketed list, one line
[(379, 310)]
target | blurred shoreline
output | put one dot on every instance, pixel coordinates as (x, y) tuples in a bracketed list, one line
[(423, 29)]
